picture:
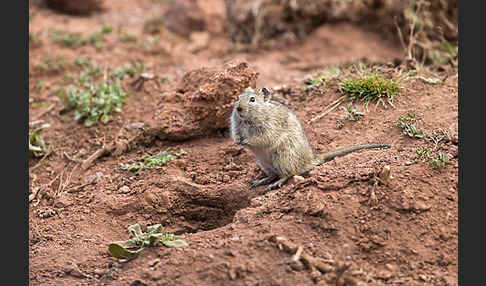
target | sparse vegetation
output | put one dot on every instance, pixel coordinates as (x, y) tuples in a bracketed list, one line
[(67, 39), (140, 240), (37, 146), (52, 64), (436, 137), (91, 101), (96, 102), (408, 125), (424, 154), (97, 38), (148, 162), (75, 39), (352, 114), (38, 85), (440, 161), (371, 87), (35, 39), (127, 37)]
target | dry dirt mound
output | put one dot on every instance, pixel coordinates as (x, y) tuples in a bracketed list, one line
[(201, 103)]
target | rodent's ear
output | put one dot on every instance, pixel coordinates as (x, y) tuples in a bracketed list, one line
[(249, 89), (267, 94)]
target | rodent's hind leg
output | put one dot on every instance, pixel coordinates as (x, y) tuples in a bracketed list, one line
[(264, 181), (277, 185)]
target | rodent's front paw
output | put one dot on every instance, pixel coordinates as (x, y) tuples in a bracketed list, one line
[(244, 142), (241, 141)]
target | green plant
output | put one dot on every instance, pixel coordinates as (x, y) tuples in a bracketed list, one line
[(38, 85), (436, 137), (148, 162), (408, 126), (35, 39), (140, 240), (82, 62), (67, 39), (352, 112), (97, 38), (37, 146), (89, 74), (74, 39), (126, 37), (130, 70), (53, 64), (368, 88), (423, 154), (440, 161), (96, 102)]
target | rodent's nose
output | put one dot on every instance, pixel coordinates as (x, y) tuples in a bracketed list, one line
[(239, 109)]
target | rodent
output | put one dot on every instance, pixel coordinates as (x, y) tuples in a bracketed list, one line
[(275, 136)]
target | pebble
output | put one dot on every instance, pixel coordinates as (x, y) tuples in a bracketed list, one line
[(124, 189)]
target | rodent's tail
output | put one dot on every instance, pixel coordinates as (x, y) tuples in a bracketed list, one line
[(323, 158)]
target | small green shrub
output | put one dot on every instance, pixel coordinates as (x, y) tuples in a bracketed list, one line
[(148, 162), (37, 146), (140, 240), (369, 88), (440, 161), (96, 102), (408, 125), (67, 39)]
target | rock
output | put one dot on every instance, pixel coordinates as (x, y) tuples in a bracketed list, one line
[(45, 213), (453, 150), (74, 271), (62, 201), (383, 274), (207, 96), (124, 189), (450, 281), (184, 17)]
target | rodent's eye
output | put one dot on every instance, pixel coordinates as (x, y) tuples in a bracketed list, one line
[(252, 99)]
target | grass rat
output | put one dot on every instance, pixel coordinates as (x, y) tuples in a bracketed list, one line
[(274, 135)]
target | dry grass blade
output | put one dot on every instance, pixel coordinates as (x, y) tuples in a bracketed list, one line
[(333, 105)]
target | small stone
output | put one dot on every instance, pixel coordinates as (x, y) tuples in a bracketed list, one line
[(135, 125), (124, 189), (384, 274), (421, 206), (423, 277), (74, 271), (232, 274), (62, 201), (391, 267)]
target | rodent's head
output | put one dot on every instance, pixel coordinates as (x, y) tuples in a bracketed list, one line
[(252, 102)]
